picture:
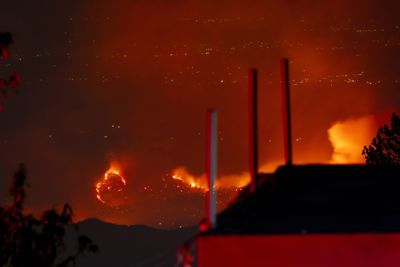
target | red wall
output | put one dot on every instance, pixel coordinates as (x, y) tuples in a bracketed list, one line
[(322, 250)]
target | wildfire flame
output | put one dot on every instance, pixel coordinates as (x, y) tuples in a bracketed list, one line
[(183, 175), (110, 186), (200, 182)]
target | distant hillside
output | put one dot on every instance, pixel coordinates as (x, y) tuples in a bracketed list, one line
[(128, 246)]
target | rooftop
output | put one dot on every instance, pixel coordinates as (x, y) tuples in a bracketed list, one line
[(317, 199)]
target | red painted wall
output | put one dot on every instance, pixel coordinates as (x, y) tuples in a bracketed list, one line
[(322, 250)]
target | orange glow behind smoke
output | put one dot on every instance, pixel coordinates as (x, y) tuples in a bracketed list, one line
[(349, 137), (110, 187)]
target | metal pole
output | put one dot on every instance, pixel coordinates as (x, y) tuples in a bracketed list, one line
[(253, 128), (286, 112), (211, 166)]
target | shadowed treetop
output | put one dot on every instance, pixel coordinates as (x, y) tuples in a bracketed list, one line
[(26, 240), (385, 147)]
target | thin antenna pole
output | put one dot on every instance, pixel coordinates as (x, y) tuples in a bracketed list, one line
[(286, 112), (211, 166), (253, 128)]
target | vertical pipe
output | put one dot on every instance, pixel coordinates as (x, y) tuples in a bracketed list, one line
[(211, 166), (286, 112), (253, 128)]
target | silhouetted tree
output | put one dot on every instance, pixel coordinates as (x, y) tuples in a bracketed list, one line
[(14, 79), (29, 241), (385, 147)]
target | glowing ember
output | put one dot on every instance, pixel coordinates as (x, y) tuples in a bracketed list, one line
[(109, 189)]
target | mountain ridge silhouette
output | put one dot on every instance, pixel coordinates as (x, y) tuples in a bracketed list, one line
[(129, 245)]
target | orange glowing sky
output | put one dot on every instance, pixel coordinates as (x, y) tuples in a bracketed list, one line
[(130, 81)]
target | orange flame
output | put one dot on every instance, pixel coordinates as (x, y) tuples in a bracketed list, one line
[(200, 181), (110, 184), (183, 175)]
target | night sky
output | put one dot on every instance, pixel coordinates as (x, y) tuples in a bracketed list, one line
[(128, 83)]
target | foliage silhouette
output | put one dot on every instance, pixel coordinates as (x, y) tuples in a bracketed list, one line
[(29, 241), (13, 79), (385, 147)]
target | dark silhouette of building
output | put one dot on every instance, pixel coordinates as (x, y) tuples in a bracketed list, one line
[(311, 215)]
